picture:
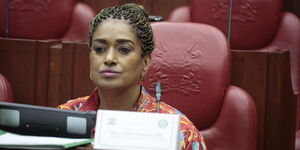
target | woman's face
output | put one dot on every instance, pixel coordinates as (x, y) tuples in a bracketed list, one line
[(115, 57)]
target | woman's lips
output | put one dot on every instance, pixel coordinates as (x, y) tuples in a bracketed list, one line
[(109, 73)]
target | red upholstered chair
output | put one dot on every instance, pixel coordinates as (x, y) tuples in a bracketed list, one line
[(195, 76), (6, 93), (46, 19), (253, 26), (256, 25)]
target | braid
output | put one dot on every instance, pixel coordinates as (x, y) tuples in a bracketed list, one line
[(137, 18)]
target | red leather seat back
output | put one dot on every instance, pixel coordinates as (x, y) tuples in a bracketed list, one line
[(37, 19), (254, 23), (81, 17), (6, 93), (194, 73)]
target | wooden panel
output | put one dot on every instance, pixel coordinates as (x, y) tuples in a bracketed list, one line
[(42, 67), (71, 67), (54, 76), (66, 74), (17, 63), (249, 71), (281, 104), (82, 85), (25, 64), (266, 77)]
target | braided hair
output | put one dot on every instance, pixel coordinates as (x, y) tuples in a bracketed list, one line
[(136, 16)]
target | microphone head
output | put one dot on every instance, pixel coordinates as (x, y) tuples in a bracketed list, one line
[(158, 92), (158, 87)]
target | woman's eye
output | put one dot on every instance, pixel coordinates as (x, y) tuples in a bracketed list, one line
[(124, 50), (99, 49)]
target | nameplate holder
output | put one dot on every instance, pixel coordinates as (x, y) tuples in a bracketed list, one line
[(125, 130)]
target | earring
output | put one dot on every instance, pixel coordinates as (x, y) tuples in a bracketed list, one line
[(142, 77)]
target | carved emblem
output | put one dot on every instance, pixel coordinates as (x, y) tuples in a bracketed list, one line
[(242, 10), (29, 5), (182, 72)]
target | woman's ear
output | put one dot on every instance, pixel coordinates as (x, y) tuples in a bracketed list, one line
[(146, 63)]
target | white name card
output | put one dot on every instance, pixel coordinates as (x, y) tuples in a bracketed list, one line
[(125, 130)]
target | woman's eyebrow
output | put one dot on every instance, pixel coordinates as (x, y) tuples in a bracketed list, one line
[(118, 41), (100, 41), (125, 41)]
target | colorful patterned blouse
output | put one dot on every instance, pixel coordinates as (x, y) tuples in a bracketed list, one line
[(190, 137)]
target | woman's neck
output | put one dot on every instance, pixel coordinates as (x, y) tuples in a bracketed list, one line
[(119, 99)]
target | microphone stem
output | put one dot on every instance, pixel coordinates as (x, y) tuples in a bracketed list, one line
[(229, 21), (7, 19)]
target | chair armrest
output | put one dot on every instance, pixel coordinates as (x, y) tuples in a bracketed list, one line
[(236, 126)]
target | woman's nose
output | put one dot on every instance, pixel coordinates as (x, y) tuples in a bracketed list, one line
[(110, 58)]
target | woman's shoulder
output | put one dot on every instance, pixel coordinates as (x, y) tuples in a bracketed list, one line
[(74, 104)]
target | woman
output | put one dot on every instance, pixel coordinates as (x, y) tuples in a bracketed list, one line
[(121, 42)]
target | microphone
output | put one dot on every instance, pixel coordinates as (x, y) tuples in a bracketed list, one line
[(158, 92), (155, 18)]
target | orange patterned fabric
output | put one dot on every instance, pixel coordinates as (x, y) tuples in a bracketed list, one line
[(190, 137)]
